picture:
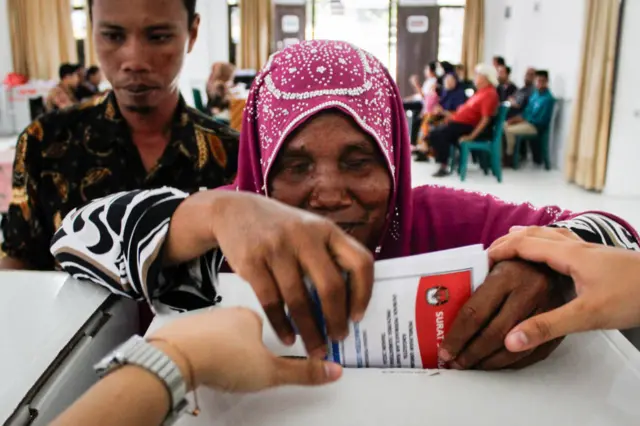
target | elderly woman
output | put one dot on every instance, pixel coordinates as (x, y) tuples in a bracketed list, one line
[(324, 187)]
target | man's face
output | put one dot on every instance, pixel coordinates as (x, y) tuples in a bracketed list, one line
[(72, 80), (530, 76), (503, 75), (141, 45), (96, 78), (481, 81), (541, 83)]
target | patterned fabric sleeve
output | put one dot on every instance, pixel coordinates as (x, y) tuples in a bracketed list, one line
[(600, 228), (117, 242), (24, 225)]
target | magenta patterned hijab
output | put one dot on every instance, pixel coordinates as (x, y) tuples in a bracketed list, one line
[(314, 76)]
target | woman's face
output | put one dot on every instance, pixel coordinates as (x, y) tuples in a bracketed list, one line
[(428, 73), (450, 82), (332, 168)]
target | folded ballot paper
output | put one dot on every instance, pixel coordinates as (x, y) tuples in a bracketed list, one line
[(414, 302)]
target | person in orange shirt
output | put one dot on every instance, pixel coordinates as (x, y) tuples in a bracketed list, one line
[(470, 120)]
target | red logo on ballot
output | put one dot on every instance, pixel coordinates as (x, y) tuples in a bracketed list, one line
[(438, 300)]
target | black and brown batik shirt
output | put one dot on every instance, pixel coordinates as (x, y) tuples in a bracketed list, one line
[(68, 158)]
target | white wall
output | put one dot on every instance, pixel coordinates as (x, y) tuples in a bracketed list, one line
[(624, 144), (212, 45), (544, 34)]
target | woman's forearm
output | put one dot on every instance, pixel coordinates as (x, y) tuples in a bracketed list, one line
[(190, 233), (128, 396)]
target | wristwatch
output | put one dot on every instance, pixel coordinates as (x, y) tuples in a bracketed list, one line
[(137, 351)]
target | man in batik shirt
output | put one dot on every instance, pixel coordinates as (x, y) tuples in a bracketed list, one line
[(142, 135)]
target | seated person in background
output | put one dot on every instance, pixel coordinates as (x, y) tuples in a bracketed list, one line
[(90, 87), (430, 84), (443, 69), (142, 135), (506, 88), (218, 90), (520, 99), (535, 118), (322, 190), (461, 72), (469, 121), (498, 61), (424, 99), (453, 97), (63, 95)]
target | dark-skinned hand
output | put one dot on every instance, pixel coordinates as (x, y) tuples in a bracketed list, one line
[(513, 291), (273, 247)]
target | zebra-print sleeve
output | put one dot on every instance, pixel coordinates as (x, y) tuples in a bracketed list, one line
[(117, 242), (601, 229)]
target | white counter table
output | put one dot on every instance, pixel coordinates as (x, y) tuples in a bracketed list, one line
[(52, 330)]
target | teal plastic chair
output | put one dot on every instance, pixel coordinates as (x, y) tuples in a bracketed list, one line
[(197, 99), (542, 140), (490, 151)]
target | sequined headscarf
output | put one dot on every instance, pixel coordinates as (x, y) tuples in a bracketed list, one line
[(313, 76)]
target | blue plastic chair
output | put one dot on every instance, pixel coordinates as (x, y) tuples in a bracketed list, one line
[(543, 143), (490, 151)]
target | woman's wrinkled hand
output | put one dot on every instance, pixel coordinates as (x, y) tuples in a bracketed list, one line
[(273, 247), (512, 292)]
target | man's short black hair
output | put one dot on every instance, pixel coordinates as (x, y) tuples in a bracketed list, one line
[(66, 70), (499, 60), (93, 70), (542, 73), (189, 4), (508, 69)]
